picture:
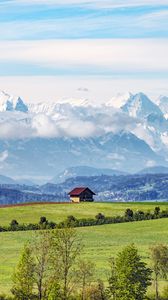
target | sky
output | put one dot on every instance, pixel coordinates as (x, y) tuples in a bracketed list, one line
[(52, 49)]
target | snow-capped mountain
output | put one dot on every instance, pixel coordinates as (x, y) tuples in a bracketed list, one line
[(11, 103), (127, 133), (140, 106), (119, 100), (60, 105), (162, 102)]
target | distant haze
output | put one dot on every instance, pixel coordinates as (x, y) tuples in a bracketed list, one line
[(99, 90)]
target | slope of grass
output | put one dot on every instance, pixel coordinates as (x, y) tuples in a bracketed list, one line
[(100, 242), (58, 212)]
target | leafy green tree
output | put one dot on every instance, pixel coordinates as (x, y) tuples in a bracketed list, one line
[(96, 292), (159, 259), (129, 213), (54, 291), (66, 248), (23, 278), (85, 275), (14, 223), (157, 211), (165, 293), (43, 271), (132, 275), (100, 216), (112, 288)]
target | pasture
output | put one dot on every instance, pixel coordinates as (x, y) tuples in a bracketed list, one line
[(100, 242), (58, 212)]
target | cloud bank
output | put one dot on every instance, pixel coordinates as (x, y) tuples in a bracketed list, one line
[(66, 121), (87, 55), (90, 3)]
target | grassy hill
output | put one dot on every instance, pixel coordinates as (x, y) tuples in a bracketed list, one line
[(58, 212), (100, 242)]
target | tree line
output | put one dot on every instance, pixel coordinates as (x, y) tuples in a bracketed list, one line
[(100, 219), (51, 267)]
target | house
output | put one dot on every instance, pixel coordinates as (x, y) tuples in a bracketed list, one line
[(81, 194)]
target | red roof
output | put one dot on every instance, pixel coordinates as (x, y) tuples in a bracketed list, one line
[(79, 190)]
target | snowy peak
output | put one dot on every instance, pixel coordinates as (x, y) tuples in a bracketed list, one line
[(11, 103), (162, 102), (75, 102), (5, 104), (119, 100), (58, 107), (140, 106)]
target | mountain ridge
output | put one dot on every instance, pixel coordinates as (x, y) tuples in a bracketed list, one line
[(47, 138)]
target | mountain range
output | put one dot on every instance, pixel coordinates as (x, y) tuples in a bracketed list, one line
[(38, 141)]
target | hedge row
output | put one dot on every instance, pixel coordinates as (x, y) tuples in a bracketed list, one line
[(99, 219)]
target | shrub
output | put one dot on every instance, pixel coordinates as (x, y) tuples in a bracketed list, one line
[(129, 213), (165, 293), (157, 210), (100, 216), (43, 220), (14, 223)]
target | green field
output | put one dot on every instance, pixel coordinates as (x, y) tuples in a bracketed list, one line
[(58, 212), (100, 242)]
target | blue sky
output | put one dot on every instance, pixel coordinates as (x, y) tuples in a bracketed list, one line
[(62, 38), (83, 19)]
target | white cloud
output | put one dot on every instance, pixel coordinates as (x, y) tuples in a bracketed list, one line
[(44, 126), (115, 55), (151, 163), (3, 156), (91, 3), (64, 121)]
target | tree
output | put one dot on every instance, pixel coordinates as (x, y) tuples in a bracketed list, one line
[(100, 216), (159, 259), (14, 225), (85, 274), (54, 292), (129, 213), (157, 210), (112, 288), (66, 248), (132, 275), (43, 220), (23, 277), (70, 221), (43, 267), (96, 291)]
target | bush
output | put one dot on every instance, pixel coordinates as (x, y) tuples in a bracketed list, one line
[(96, 292), (100, 216), (4, 297), (139, 215), (14, 223), (129, 213), (43, 220), (165, 293), (157, 210)]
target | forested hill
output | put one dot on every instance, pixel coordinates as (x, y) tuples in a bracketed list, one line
[(107, 188)]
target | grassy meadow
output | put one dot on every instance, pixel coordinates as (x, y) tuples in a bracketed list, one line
[(100, 242), (58, 212)]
